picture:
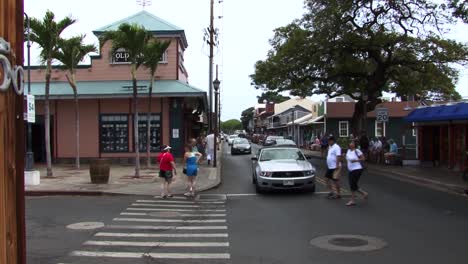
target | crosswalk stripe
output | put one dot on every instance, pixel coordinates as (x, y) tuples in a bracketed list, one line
[(151, 255), (181, 215), (180, 202), (141, 202), (143, 227), (156, 244), (173, 210), (153, 220), (211, 235)]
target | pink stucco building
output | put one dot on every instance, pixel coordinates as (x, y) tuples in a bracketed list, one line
[(105, 93)]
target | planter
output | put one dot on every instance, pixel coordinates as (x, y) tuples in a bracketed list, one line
[(99, 170)]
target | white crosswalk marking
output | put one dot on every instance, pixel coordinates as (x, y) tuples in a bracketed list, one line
[(175, 228)]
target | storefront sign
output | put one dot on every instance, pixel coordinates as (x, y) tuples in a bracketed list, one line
[(121, 57), (10, 75), (29, 109)]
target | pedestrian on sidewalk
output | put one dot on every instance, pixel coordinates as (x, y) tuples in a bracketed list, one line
[(333, 168), (354, 157), (191, 160), (210, 140), (167, 171)]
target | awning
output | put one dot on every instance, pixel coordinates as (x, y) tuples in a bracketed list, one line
[(317, 120), (301, 120), (449, 112)]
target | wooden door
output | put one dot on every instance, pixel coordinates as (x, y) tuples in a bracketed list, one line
[(12, 238)]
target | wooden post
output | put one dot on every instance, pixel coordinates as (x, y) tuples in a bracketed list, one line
[(12, 149)]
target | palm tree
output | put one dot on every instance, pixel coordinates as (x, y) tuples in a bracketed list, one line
[(46, 33), (152, 56), (133, 39), (71, 51)]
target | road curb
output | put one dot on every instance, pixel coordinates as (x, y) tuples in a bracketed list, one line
[(70, 193), (432, 184)]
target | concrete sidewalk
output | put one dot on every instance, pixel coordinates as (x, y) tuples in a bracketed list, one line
[(69, 181), (435, 178)]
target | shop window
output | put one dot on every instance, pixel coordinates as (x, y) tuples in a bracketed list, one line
[(343, 128), (113, 133), (379, 129), (155, 137)]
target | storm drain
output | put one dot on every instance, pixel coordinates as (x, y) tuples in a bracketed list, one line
[(348, 243)]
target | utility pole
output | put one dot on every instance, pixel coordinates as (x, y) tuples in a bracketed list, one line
[(211, 42)]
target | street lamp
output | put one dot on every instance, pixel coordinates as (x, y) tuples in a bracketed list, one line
[(29, 153), (216, 84)]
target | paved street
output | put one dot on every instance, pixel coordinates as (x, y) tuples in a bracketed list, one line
[(415, 225)]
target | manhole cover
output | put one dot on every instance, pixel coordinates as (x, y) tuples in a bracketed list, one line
[(211, 197), (348, 243), (86, 225), (164, 214)]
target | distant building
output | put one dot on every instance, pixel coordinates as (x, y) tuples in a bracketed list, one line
[(105, 93)]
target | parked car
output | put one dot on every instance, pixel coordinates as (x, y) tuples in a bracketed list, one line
[(282, 168), (231, 139), (270, 140), (240, 146)]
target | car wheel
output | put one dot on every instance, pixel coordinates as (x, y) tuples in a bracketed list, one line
[(254, 178), (258, 189)]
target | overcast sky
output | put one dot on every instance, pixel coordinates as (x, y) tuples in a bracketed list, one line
[(246, 26)]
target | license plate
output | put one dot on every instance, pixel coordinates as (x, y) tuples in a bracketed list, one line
[(288, 183)]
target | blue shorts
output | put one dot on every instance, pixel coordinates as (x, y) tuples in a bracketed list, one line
[(192, 171)]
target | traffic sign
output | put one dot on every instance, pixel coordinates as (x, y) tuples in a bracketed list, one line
[(30, 111), (381, 114)]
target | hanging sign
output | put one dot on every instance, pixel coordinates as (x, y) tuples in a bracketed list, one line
[(30, 109)]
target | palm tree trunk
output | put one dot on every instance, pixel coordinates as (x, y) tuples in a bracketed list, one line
[(148, 124), (47, 118), (77, 128), (135, 125)]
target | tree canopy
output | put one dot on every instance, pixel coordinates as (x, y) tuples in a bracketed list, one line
[(362, 49), (231, 125), (272, 96)]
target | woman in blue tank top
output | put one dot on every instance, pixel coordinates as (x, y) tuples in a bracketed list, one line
[(191, 160)]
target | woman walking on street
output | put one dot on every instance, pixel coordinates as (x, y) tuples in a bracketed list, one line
[(191, 160), (167, 171), (354, 158)]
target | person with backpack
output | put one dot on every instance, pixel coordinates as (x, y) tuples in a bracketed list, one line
[(167, 171), (355, 158)]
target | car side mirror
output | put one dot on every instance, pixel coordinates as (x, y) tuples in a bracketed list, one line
[(255, 158)]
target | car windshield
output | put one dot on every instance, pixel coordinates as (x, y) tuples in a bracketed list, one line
[(285, 142), (233, 136), (274, 137), (281, 154), (241, 141)]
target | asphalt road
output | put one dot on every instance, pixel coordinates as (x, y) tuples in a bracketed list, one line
[(414, 224)]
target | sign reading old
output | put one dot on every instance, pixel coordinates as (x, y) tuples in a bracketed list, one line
[(121, 57)]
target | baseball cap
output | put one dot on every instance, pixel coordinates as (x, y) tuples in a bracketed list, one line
[(166, 147)]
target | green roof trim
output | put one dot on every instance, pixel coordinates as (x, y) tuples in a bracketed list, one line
[(115, 89), (150, 22)]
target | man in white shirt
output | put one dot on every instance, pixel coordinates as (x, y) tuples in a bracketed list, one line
[(333, 163), (210, 146)]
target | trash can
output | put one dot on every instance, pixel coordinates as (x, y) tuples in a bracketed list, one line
[(99, 170)]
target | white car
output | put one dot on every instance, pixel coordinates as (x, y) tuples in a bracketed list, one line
[(282, 167), (231, 139)]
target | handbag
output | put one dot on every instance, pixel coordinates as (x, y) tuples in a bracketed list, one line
[(362, 162)]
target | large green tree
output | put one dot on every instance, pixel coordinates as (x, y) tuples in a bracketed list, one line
[(152, 55), (133, 39), (70, 53), (246, 116), (362, 49), (46, 33)]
